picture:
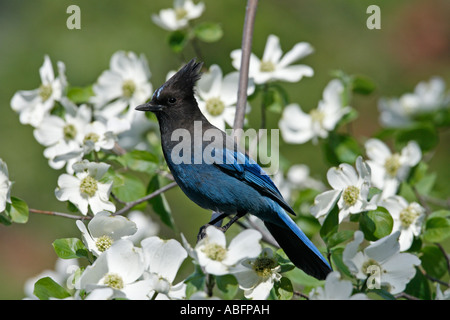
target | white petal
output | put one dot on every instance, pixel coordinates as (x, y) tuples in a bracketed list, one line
[(295, 125), (341, 177), (293, 73), (300, 50), (24, 99), (351, 251), (123, 259), (114, 226), (210, 84), (383, 249), (377, 151), (324, 202), (411, 154), (228, 93), (244, 245), (163, 257), (272, 51), (46, 71)]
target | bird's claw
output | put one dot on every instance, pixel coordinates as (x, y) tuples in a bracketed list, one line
[(202, 232)]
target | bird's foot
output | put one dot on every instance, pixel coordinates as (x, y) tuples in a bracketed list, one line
[(202, 232)]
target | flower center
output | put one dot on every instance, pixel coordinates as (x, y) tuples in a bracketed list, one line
[(88, 186), (128, 88), (267, 66), (215, 106), (180, 13), (392, 164), (408, 216), (69, 132), (317, 116), (350, 195), (113, 280), (45, 91), (263, 266), (215, 251), (103, 243), (370, 262), (91, 137)]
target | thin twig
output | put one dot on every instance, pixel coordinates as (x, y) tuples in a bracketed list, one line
[(126, 208), (445, 255), (243, 71), (406, 296), (131, 204), (59, 214)]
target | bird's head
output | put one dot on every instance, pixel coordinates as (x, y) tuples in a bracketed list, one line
[(177, 93)]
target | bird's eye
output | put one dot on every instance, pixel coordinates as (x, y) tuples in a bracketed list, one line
[(172, 100)]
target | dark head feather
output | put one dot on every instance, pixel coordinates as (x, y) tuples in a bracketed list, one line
[(186, 77)]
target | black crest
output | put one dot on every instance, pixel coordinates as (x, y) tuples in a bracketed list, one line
[(187, 76)]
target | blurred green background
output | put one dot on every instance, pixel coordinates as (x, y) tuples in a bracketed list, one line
[(412, 45)]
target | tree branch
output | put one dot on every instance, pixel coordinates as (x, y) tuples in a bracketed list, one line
[(131, 204), (126, 208), (59, 214), (243, 71)]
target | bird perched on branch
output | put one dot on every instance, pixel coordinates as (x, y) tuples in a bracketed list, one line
[(212, 172)]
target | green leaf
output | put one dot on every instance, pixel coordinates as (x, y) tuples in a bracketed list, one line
[(382, 293), (18, 210), (424, 134), (195, 282), (228, 285), (139, 160), (80, 94), (275, 97), (177, 40), (159, 203), (338, 261), (362, 85), (341, 148), (330, 224), (339, 237), (46, 288), (284, 289), (208, 32), (437, 229), (131, 189), (433, 261), (376, 224), (70, 248), (419, 286)]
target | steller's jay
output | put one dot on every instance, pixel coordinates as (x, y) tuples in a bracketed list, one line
[(225, 180)]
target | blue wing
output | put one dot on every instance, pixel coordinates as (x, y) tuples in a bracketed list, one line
[(244, 168)]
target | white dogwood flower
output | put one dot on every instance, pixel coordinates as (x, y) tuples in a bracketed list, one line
[(390, 169), (103, 230), (163, 259), (125, 84), (5, 186), (258, 275), (335, 288), (120, 268), (296, 126), (214, 256), (407, 217), (217, 96), (427, 97), (178, 17), (33, 105), (273, 65), (350, 191), (395, 269), (84, 189)]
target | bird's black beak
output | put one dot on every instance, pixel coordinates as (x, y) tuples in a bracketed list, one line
[(149, 107)]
